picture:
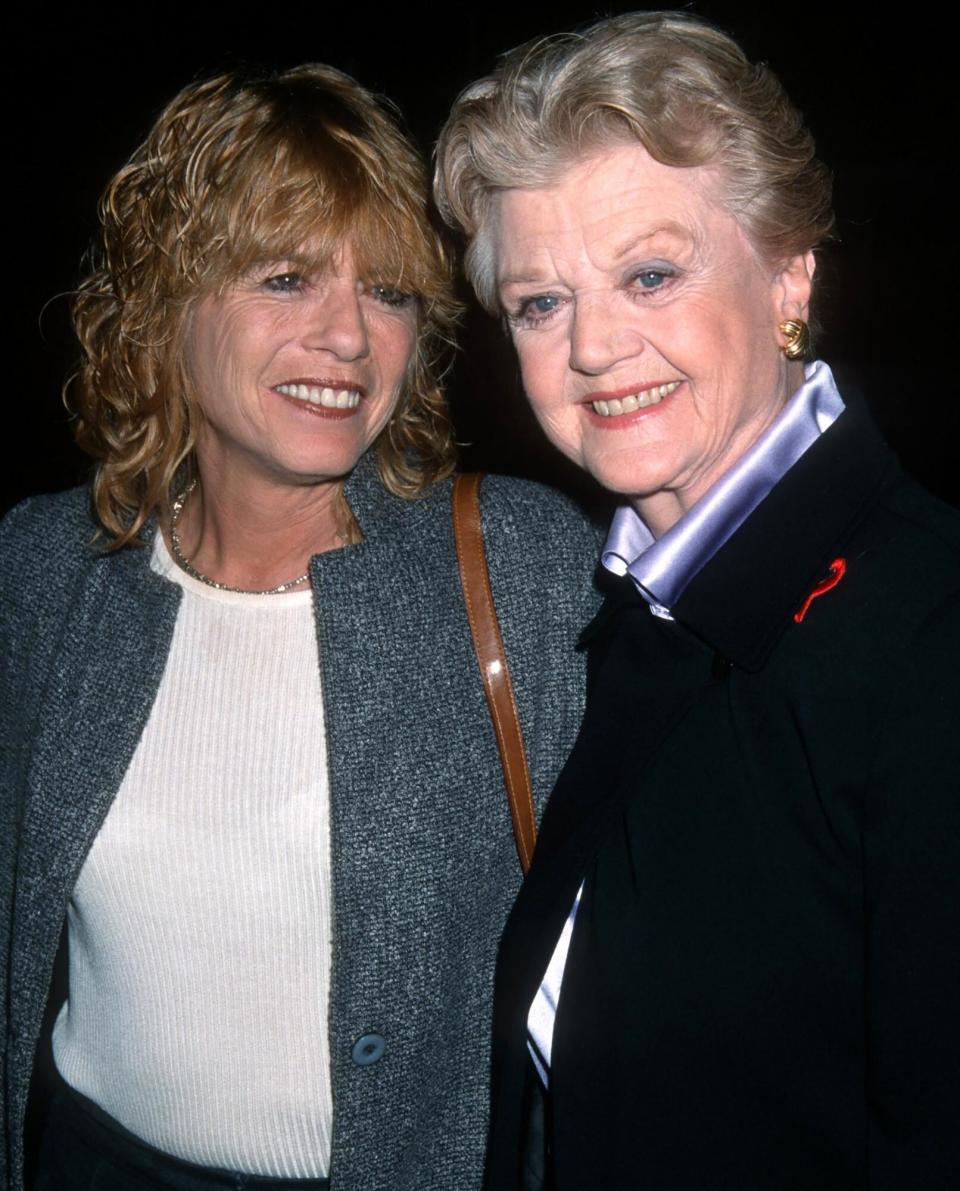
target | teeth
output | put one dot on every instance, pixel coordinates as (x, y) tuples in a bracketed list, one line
[(329, 398), (626, 405)]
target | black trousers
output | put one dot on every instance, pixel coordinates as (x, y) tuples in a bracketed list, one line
[(84, 1149)]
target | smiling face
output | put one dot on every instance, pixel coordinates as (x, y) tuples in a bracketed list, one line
[(297, 370), (645, 324)]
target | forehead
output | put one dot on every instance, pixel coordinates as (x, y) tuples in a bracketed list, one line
[(604, 206)]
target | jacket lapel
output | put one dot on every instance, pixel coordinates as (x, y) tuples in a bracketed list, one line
[(784, 548), (622, 732)]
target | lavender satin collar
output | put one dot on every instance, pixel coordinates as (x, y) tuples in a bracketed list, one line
[(662, 567)]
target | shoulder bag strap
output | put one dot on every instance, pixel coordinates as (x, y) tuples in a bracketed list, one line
[(488, 644)]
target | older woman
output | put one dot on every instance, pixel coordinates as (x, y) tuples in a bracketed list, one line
[(247, 764), (735, 960)]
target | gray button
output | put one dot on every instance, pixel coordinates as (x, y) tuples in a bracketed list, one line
[(368, 1049)]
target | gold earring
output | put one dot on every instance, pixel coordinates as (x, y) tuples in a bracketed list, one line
[(797, 334)]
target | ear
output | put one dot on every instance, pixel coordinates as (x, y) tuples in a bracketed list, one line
[(792, 287)]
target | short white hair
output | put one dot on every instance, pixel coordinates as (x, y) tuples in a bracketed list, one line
[(666, 80)]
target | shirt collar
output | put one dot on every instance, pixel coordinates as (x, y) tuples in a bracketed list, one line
[(662, 568)]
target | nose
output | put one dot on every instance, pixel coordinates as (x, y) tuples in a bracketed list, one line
[(603, 333), (335, 322)]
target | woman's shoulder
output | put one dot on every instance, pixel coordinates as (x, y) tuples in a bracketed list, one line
[(905, 538), (51, 518), (525, 524), (537, 519), (924, 525), (45, 540), (51, 522), (541, 547), (907, 553), (538, 542)]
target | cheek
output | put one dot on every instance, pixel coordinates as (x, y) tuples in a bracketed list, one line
[(559, 418), (198, 362), (715, 340), (541, 369), (405, 352), (698, 331), (561, 426), (215, 353), (395, 344)]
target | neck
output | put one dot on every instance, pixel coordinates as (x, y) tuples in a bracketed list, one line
[(661, 510), (255, 537)]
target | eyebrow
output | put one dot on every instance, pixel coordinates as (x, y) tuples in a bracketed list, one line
[(517, 279), (668, 228), (627, 246)]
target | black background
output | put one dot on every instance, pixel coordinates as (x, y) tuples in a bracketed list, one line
[(878, 95)]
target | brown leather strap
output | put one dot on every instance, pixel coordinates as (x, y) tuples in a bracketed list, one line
[(478, 597)]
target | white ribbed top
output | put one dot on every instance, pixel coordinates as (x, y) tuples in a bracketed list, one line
[(200, 926)]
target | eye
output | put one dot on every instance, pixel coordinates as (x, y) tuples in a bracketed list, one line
[(652, 277), (544, 304), (532, 311), (284, 283), (390, 296)]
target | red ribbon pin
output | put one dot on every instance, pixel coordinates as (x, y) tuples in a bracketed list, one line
[(836, 573)]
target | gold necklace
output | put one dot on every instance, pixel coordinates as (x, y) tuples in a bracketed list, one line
[(186, 565)]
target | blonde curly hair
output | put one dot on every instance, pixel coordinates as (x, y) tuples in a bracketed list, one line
[(238, 170)]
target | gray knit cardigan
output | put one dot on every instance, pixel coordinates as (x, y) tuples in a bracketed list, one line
[(424, 866)]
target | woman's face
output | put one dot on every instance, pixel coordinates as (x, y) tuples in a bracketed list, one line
[(645, 324), (296, 371)]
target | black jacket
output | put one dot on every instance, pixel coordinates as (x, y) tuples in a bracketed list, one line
[(763, 987)]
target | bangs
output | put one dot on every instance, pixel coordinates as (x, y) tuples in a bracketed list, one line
[(308, 204)]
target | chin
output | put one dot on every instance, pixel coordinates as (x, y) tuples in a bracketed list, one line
[(629, 479)]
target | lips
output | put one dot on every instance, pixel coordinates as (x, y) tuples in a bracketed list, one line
[(328, 394), (629, 401)]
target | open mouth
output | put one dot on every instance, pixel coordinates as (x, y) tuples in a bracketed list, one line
[(614, 406), (323, 395)]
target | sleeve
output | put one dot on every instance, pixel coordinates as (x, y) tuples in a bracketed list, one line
[(9, 811), (11, 659), (912, 836)]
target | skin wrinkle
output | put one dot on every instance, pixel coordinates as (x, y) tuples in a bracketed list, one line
[(712, 324), (660, 237)]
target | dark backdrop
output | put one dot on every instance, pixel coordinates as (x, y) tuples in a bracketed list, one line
[(88, 81)]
